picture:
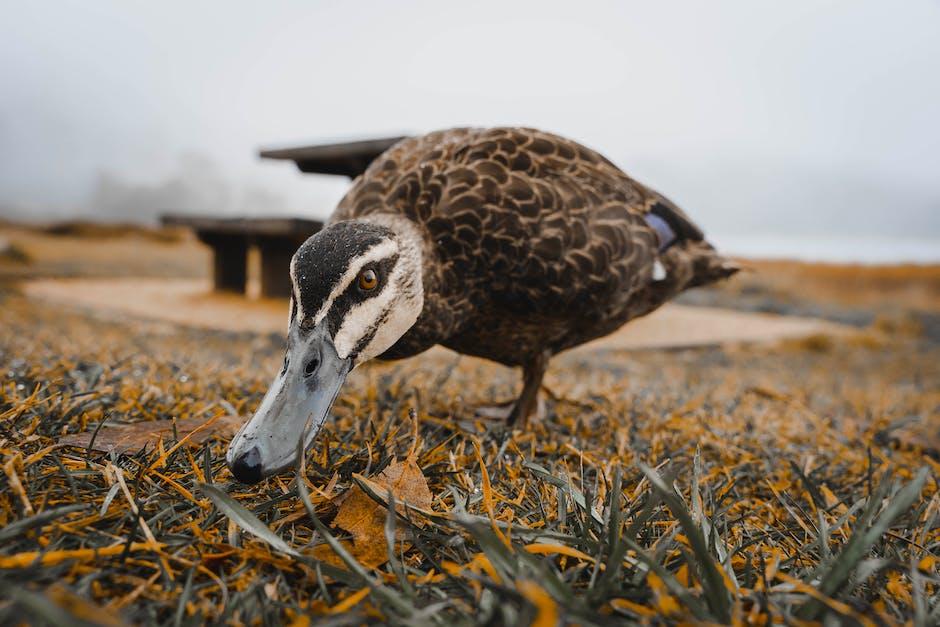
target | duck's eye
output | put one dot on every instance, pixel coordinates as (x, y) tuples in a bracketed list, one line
[(368, 280)]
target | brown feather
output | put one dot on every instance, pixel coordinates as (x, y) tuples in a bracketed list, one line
[(534, 243)]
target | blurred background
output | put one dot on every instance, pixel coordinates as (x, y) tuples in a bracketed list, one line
[(801, 135), (805, 129)]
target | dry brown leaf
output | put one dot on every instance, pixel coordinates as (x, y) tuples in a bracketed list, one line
[(133, 437), (364, 519), (369, 554)]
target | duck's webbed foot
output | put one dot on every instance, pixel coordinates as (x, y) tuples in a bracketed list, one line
[(499, 411), (510, 411), (518, 412)]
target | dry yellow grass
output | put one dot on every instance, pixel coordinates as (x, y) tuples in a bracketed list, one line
[(905, 286), (100, 251), (750, 485), (792, 442)]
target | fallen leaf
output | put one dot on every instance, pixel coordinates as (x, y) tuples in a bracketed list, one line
[(122, 438), (364, 519), (369, 554)]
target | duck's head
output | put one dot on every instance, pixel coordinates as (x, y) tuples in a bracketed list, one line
[(357, 288)]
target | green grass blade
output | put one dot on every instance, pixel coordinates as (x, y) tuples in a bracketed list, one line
[(576, 495), (861, 542), (716, 594), (242, 517), (391, 541), (677, 589), (398, 603)]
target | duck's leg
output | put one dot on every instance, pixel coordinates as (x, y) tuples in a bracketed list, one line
[(532, 374), (527, 403)]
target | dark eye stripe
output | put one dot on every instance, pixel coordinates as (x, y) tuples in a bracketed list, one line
[(367, 337), (353, 295)]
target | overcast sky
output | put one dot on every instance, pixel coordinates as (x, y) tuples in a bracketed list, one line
[(798, 117)]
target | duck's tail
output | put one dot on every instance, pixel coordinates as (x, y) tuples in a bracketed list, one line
[(685, 264), (692, 263), (686, 259), (682, 244), (707, 265)]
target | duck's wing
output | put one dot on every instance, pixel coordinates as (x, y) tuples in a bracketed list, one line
[(544, 224)]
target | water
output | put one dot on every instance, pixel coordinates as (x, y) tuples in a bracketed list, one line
[(833, 249)]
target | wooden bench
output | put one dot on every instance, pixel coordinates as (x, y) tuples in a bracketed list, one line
[(230, 238), (276, 238)]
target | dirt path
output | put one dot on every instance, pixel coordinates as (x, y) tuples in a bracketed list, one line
[(189, 302)]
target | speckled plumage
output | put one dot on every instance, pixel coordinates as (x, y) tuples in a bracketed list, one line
[(532, 243)]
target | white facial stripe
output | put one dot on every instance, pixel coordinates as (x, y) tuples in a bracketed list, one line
[(386, 248), (400, 318), (294, 289), (360, 318), (399, 310), (396, 307)]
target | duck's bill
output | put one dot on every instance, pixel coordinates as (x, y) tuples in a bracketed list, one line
[(294, 408)]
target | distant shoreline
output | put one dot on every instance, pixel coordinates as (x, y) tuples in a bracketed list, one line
[(867, 250)]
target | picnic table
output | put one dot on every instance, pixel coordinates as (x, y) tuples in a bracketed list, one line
[(275, 238), (345, 158), (230, 238)]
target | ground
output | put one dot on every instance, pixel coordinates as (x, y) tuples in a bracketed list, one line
[(759, 483)]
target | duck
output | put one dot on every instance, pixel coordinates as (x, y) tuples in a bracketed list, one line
[(510, 244)]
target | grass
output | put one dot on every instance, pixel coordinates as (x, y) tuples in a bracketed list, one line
[(746, 486), (81, 249), (852, 294), (87, 229)]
